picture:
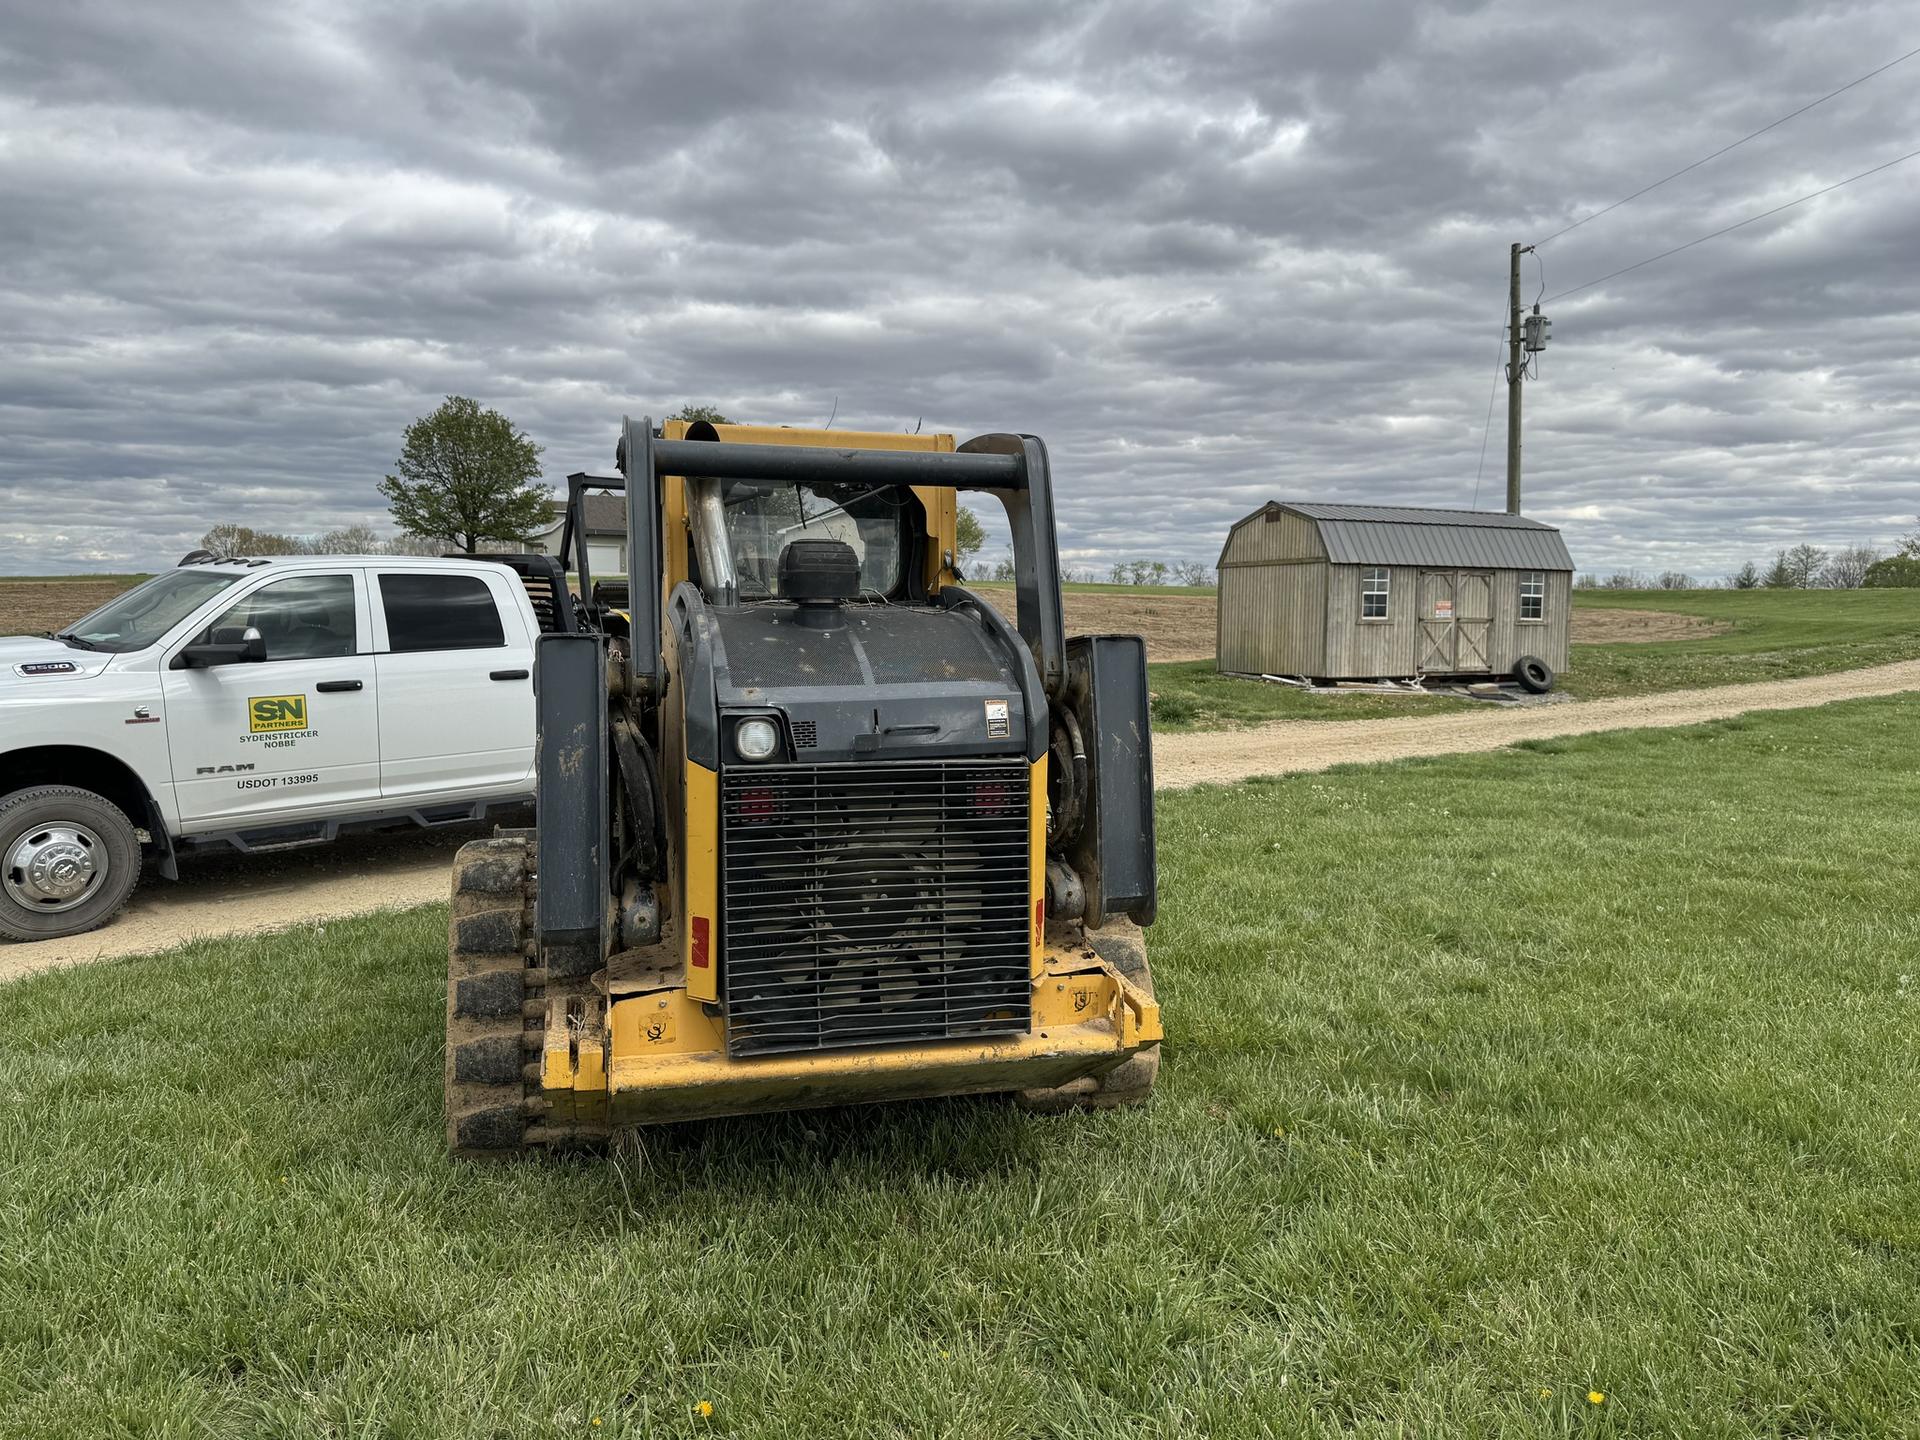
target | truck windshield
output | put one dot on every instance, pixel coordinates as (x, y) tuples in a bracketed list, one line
[(145, 613), (762, 520)]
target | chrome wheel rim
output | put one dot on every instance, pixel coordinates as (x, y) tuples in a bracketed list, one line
[(54, 867)]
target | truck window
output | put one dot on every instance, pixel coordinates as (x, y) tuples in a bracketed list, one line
[(440, 612), (136, 619), (303, 617)]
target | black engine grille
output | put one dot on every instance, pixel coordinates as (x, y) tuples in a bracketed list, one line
[(873, 904)]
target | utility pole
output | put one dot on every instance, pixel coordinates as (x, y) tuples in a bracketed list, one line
[(1516, 372), (1526, 336)]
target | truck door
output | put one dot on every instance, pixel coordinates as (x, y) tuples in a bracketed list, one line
[(294, 735), (456, 685)]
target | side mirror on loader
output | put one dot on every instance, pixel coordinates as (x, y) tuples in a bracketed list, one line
[(227, 645)]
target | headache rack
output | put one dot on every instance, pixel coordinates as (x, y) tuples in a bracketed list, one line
[(873, 904)]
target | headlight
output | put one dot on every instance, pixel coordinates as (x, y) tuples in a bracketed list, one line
[(755, 739)]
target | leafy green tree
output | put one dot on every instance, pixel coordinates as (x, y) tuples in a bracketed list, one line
[(1747, 577), (467, 475), (693, 413), (968, 536), (1896, 572)]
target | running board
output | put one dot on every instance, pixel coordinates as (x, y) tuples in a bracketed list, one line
[(299, 834)]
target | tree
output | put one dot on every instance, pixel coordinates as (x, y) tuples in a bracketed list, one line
[(1910, 545), (467, 475), (968, 536), (1896, 572), (228, 540), (1747, 577), (356, 539), (1676, 580), (1804, 564), (1779, 575), (1848, 568), (693, 414)]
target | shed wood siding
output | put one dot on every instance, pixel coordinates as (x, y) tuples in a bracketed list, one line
[(1270, 619), (1366, 649), (1271, 534), (1291, 579)]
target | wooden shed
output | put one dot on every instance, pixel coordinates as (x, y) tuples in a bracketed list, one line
[(1369, 592)]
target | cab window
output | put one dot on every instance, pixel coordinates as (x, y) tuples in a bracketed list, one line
[(440, 612), (303, 617), (762, 520)]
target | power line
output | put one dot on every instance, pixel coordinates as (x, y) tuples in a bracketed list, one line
[(1735, 145), (1738, 224), (1486, 430)]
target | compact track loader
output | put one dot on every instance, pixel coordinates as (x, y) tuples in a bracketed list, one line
[(816, 824)]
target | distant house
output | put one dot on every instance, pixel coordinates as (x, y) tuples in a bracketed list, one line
[(606, 535), (1365, 592)]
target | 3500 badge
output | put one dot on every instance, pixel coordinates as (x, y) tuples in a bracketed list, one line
[(269, 714)]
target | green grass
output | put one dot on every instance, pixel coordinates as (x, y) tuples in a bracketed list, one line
[(1589, 1067), (1776, 635), (1192, 695)]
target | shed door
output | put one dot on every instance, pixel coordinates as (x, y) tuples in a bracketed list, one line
[(1437, 604), (1473, 619)]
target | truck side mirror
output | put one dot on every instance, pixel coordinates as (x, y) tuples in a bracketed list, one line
[(225, 645)]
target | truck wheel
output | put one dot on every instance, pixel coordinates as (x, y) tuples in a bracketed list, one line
[(68, 860), (1122, 945), (1534, 674)]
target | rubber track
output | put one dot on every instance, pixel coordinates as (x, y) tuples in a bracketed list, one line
[(496, 1001)]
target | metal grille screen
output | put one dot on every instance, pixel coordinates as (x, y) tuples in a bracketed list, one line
[(873, 904)]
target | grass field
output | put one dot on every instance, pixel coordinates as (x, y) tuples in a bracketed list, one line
[(1193, 695), (1774, 635), (1493, 1082)]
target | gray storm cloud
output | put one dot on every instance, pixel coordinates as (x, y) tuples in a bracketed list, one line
[(1214, 253)]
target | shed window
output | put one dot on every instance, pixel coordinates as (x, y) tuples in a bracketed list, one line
[(1373, 594), (1533, 594)]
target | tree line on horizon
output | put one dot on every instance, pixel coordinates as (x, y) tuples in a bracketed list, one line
[(1798, 567)]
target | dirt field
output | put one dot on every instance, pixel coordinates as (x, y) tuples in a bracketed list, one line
[(33, 607), (1176, 627), (227, 893), (1180, 627)]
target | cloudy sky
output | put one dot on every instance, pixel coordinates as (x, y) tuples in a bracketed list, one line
[(1216, 253)]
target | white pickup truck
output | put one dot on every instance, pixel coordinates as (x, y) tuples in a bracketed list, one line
[(259, 703)]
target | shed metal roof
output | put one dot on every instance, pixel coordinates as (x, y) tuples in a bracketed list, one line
[(1410, 535)]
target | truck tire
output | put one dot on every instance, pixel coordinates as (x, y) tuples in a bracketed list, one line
[(1534, 674), (1122, 945), (68, 861)]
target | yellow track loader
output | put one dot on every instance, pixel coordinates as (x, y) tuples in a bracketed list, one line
[(817, 825)]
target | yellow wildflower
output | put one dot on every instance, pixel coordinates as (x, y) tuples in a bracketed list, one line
[(703, 1409), (1546, 1392), (594, 1421), (1596, 1397)]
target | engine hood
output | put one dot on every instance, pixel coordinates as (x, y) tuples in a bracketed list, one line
[(31, 662), (897, 681)]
